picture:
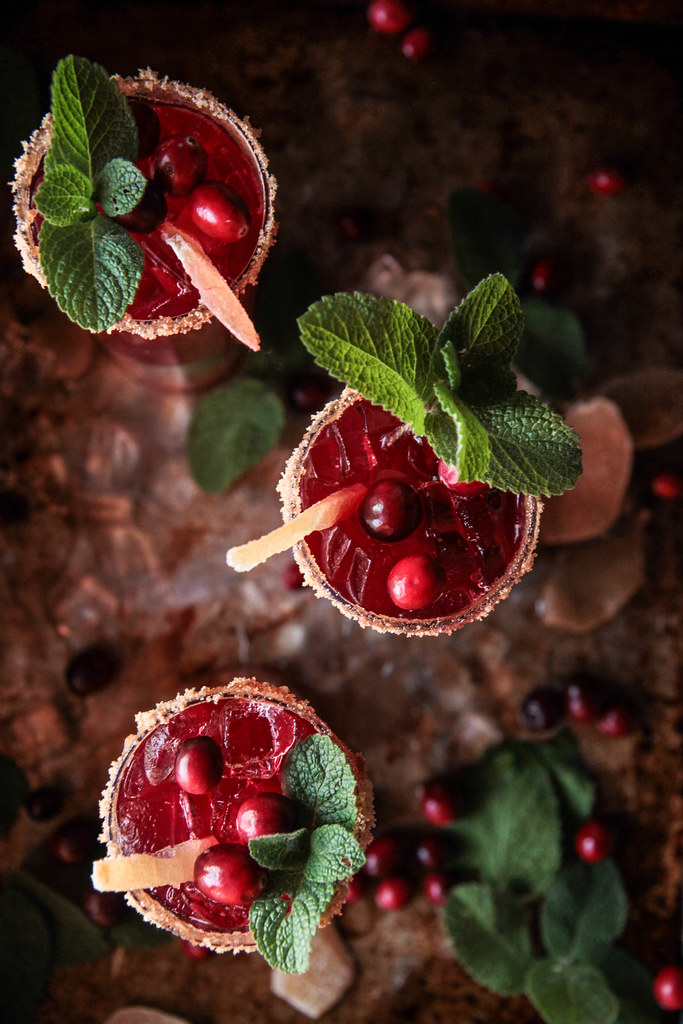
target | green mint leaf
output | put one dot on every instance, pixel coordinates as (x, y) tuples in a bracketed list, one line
[(26, 955), (92, 270), (13, 789), (378, 346), (511, 833), (570, 993), (631, 983), (532, 448), (288, 284), (287, 851), (490, 934), (458, 437), (484, 331), (133, 932), (584, 910), (487, 236), (232, 429), (335, 854), (575, 788), (285, 918), (65, 197), (92, 122), (450, 360), (552, 352), (317, 775), (120, 187)]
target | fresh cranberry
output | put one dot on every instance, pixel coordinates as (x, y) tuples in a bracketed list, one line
[(431, 852), (545, 276), (437, 885), (606, 180), (448, 475), (393, 892), (179, 164), (292, 577), (616, 721), (389, 17), (75, 840), (417, 44), (228, 874), (390, 510), (383, 856), (14, 507), (44, 802), (148, 126), (309, 391), (219, 211), (104, 908), (581, 701), (92, 669), (355, 888), (354, 224), (149, 213), (193, 952), (667, 484), (415, 581), (668, 988), (439, 802), (265, 814), (593, 842), (198, 765), (543, 709)]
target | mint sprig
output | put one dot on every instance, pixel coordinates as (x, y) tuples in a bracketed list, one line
[(306, 865), (91, 264), (454, 386)]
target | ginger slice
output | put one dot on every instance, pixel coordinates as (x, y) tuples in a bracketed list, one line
[(323, 514), (171, 866), (214, 290)]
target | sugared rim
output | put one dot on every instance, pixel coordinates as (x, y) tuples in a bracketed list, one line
[(290, 496), (147, 83), (146, 722)]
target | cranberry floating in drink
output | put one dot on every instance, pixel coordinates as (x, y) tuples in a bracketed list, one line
[(216, 790)]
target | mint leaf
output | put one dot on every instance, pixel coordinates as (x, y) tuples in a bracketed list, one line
[(584, 910), (458, 437), (133, 932), (378, 346), (26, 955), (285, 918), (450, 360), (284, 852), (532, 448), (232, 429), (65, 197), (487, 236), (317, 775), (13, 789), (335, 854), (490, 934), (552, 351), (92, 122), (92, 270), (575, 788), (570, 993), (631, 983), (120, 187)]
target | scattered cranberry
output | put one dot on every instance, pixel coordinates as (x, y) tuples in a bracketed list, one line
[(593, 842), (218, 211), (292, 577), (265, 814), (543, 709), (389, 17), (193, 952), (439, 802), (179, 164), (393, 892), (383, 856), (104, 909), (616, 721), (353, 224), (417, 44), (431, 852), (355, 888), (667, 484), (198, 765), (14, 507), (92, 669), (415, 581), (668, 988), (309, 391), (581, 702), (606, 180), (75, 840), (437, 885), (448, 475), (148, 127), (228, 874), (149, 213), (44, 803), (545, 276), (390, 510)]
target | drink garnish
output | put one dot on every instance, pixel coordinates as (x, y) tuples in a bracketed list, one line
[(171, 866)]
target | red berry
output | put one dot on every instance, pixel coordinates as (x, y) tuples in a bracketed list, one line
[(415, 581), (543, 709), (218, 211), (44, 803), (437, 885), (389, 17), (355, 889), (104, 909), (228, 874), (265, 814), (606, 180), (390, 510), (448, 475), (198, 765), (149, 212), (353, 224), (439, 802), (193, 952), (431, 852), (383, 856), (75, 840), (417, 44), (582, 704), (309, 391), (545, 276), (616, 721), (667, 484), (179, 164), (292, 577), (92, 669), (668, 988), (147, 124), (593, 842), (393, 892)]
